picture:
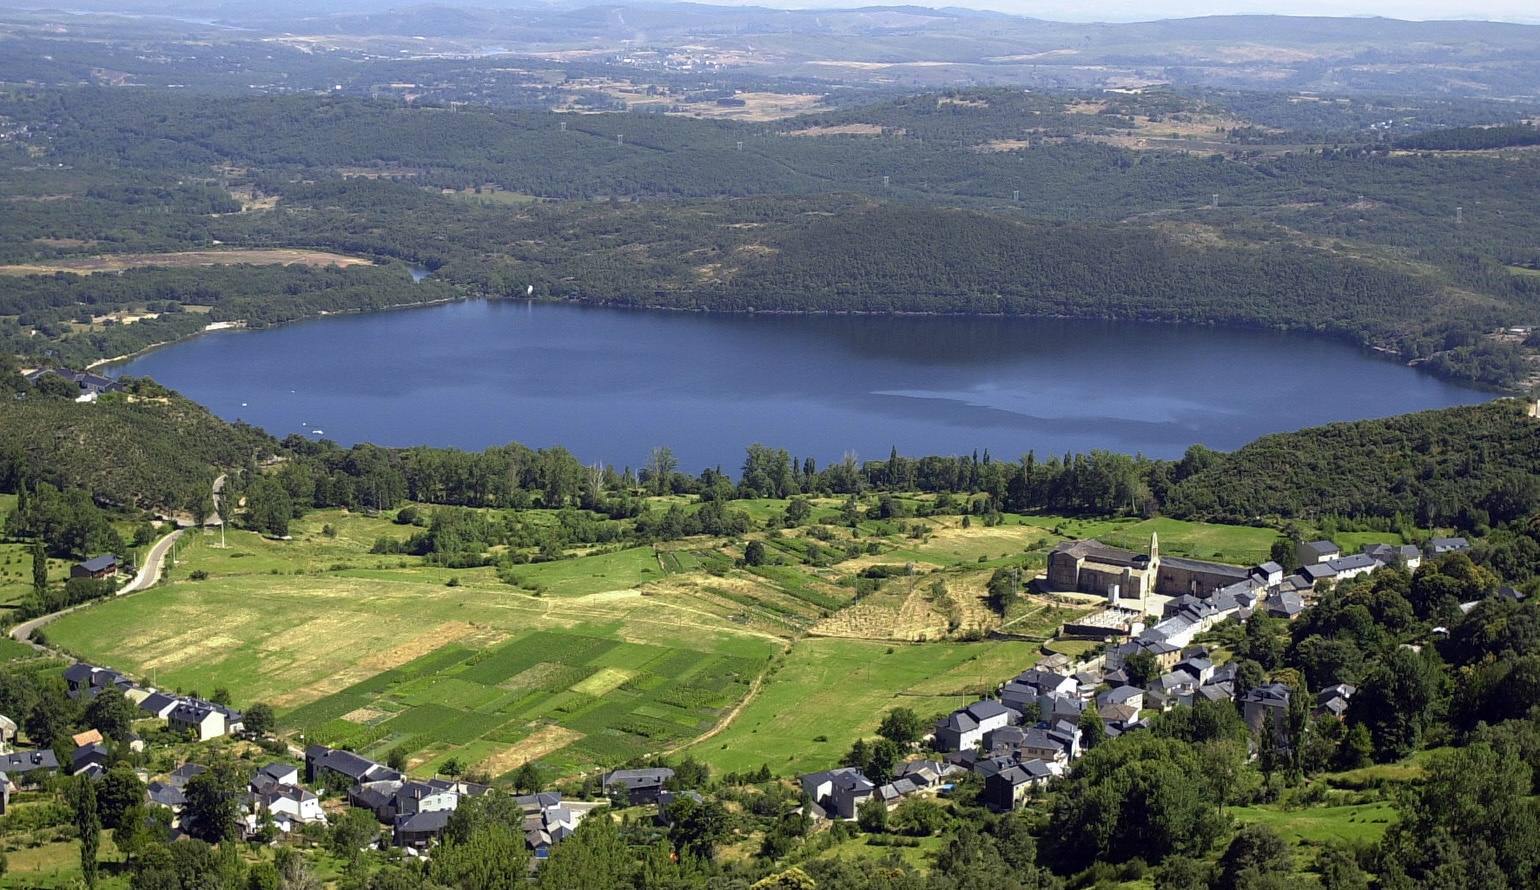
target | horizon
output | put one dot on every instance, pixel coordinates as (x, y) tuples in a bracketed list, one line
[(1114, 12)]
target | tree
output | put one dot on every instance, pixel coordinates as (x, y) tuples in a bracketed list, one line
[(902, 726), (797, 511), (52, 715), (1339, 870), (112, 714), (268, 507), (120, 791), (451, 768), (212, 810), (1093, 730), (1004, 585), (1141, 668), (754, 554), (919, 816), (1393, 701), (527, 779), (88, 826), (660, 468), (1470, 822), (1257, 850), (39, 567), (259, 719), (494, 857), (593, 856), (697, 828), (352, 831), (872, 816)]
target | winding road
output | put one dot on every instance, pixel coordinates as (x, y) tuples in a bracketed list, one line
[(147, 577)]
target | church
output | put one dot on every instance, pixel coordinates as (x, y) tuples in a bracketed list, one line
[(1093, 567)]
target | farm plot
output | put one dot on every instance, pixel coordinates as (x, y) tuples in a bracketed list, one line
[(379, 653), (831, 692), (602, 700)]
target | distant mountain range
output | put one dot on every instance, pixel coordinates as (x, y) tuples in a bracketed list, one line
[(914, 46)]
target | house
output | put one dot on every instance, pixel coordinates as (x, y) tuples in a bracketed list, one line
[(7, 732), (1317, 572), (1118, 717), (5, 793), (839, 792), (851, 790), (1352, 566), (895, 791), (1268, 573), (203, 720), (641, 786), (1008, 788), (19, 763), (1406, 556), (275, 774), (421, 797), (1440, 546), (86, 680), (534, 803), (1312, 553), (1132, 696), (1333, 700), (967, 727), (88, 756), (97, 567), (321, 762), (1264, 702), (1199, 666), (89, 737), (1285, 604), (158, 704), (291, 805), (91, 385), (667, 799), (420, 829), (186, 773), (165, 794), (926, 773)]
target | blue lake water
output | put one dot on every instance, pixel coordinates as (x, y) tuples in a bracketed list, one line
[(609, 384)]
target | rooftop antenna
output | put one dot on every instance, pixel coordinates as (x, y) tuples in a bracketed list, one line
[(563, 126), (740, 145), (885, 181), (1459, 215), (1213, 200), (620, 139), (1016, 195)]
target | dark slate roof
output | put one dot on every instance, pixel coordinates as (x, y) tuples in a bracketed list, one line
[(986, 708), (1270, 568), (1096, 551), (632, 779), (100, 563), (1200, 565), (1321, 548), (427, 822), (346, 762), (156, 702), (165, 794), (959, 721), (1437, 544), (26, 761), (79, 673)]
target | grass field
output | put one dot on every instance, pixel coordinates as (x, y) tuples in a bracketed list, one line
[(374, 652), (830, 692), (1356, 824), (185, 259), (1235, 544)]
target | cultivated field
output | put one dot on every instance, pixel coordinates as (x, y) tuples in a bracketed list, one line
[(829, 692), (613, 652), (185, 259)]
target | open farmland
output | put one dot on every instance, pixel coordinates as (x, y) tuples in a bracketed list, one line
[(830, 692), (378, 652), (185, 259), (609, 654)]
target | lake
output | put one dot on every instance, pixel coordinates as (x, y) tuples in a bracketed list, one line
[(609, 384)]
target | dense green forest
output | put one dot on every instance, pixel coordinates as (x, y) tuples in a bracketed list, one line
[(1349, 240)]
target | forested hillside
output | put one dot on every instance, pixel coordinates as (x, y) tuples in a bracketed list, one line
[(1468, 465), (855, 210)]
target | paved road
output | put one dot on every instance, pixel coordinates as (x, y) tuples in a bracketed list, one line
[(149, 575)]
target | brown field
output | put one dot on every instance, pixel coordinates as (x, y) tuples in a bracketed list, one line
[(186, 259), (841, 130)]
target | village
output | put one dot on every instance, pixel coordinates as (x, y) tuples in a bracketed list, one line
[(1145, 658)]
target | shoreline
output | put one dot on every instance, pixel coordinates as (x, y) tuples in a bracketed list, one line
[(1378, 350)]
